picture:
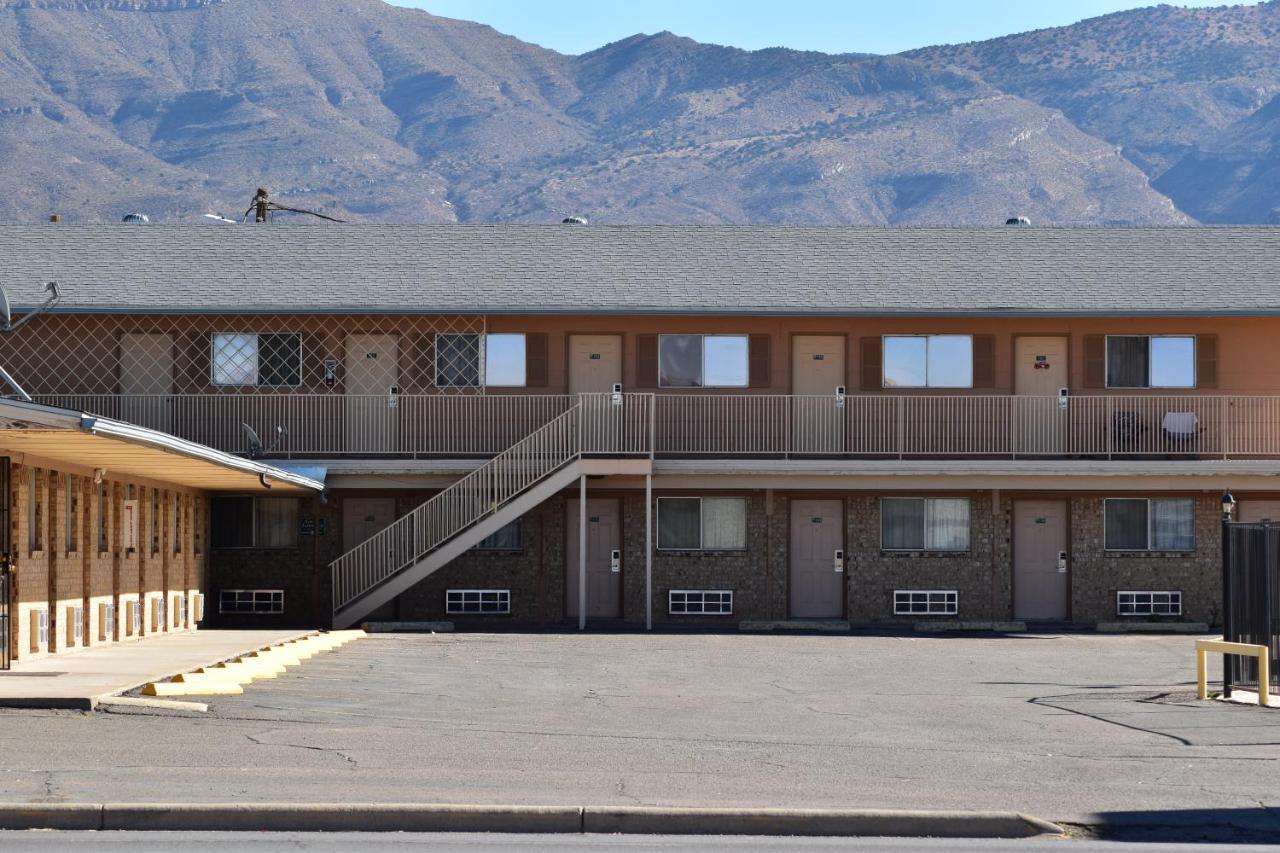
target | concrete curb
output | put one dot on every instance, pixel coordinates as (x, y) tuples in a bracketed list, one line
[(408, 627), (1152, 628), (408, 817), (835, 822)]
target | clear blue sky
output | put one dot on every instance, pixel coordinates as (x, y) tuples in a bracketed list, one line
[(832, 26)]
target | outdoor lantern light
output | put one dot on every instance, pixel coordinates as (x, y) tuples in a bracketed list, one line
[(1228, 504)]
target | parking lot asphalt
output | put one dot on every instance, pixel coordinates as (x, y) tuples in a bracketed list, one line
[(1076, 728)]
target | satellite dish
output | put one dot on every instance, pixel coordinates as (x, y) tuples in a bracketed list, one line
[(256, 449), (253, 440)]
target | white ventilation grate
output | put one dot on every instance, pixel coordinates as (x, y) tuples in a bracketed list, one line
[(700, 602), (487, 602), (926, 602), (1149, 603)]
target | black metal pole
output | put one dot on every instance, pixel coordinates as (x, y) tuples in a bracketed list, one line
[(1226, 599)]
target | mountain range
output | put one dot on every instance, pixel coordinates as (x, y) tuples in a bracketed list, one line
[(373, 112)]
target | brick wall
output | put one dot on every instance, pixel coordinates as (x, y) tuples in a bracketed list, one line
[(534, 575), (1097, 575), (758, 576), (66, 574), (745, 572)]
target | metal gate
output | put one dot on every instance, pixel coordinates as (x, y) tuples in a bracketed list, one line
[(1251, 600), (6, 563)]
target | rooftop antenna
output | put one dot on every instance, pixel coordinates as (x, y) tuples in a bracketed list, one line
[(256, 449), (262, 207), (218, 217), (7, 325)]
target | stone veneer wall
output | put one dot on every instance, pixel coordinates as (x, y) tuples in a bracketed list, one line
[(1096, 575), (875, 574), (534, 575), (758, 575), (749, 573)]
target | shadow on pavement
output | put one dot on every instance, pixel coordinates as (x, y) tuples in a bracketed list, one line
[(1239, 826)]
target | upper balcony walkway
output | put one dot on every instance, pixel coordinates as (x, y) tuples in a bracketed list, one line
[(720, 426)]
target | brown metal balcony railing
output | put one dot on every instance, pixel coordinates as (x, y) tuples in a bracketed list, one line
[(720, 425)]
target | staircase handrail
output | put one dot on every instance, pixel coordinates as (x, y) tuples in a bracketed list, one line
[(464, 503)]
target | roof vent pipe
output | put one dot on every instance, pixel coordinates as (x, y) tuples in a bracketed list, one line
[(574, 220), (1017, 220)]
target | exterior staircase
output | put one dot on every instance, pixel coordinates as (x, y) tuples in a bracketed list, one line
[(598, 435)]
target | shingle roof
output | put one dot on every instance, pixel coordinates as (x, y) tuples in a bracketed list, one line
[(646, 269)]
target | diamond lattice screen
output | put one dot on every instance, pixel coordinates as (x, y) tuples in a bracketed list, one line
[(93, 354)]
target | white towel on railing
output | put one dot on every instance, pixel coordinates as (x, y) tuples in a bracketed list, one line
[(1181, 424)]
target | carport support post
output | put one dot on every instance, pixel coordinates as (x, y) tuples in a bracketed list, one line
[(648, 552), (582, 552)]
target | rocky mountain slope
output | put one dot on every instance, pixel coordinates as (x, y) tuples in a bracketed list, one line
[(374, 112)]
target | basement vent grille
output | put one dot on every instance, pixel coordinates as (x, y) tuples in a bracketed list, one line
[(485, 602), (926, 602), (1149, 603), (700, 602)]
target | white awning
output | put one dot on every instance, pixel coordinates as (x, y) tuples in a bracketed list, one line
[(124, 449)]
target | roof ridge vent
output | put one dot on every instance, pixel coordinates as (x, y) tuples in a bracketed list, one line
[(575, 220), (1017, 220)]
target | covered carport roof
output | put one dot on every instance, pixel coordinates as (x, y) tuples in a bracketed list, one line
[(124, 450)]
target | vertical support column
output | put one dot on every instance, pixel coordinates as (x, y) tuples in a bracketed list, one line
[(582, 552), (648, 552)]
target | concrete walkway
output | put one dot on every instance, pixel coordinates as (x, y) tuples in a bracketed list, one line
[(81, 679)]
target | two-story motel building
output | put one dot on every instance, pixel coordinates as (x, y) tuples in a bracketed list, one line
[(657, 425)]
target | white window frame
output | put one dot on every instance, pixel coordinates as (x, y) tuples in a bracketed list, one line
[(968, 536), (1148, 549), (257, 362), (135, 617), (274, 597), (456, 601), (524, 361), (905, 601), (1172, 597), (701, 596), (702, 370), (701, 537), (928, 340), (1106, 365)]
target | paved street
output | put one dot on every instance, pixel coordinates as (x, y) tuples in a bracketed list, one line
[(1077, 728), (270, 842)]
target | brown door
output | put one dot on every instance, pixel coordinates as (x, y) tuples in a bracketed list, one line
[(146, 381), (372, 386), (817, 371), (363, 517), (1040, 579), (604, 585), (1039, 373), (817, 533), (595, 363), (1255, 511)]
